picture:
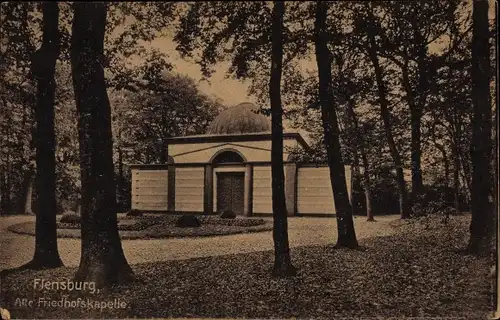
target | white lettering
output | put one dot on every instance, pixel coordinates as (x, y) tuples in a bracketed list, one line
[(66, 285)]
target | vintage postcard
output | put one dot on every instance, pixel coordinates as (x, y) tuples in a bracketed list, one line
[(249, 159)]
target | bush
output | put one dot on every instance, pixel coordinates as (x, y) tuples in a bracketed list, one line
[(70, 218), (187, 221), (228, 214), (385, 193), (134, 213), (250, 222), (139, 225)]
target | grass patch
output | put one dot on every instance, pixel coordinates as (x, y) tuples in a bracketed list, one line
[(160, 226), (418, 272)]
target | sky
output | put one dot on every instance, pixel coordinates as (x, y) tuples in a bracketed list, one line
[(230, 91)]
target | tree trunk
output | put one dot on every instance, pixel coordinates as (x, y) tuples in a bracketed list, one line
[(368, 199), (120, 161), (415, 145), (445, 159), (481, 227), (282, 263), (446, 164), (404, 207), (5, 193), (7, 203), (164, 136), (29, 199), (345, 224), (466, 172), (455, 121), (466, 188), (461, 158), (361, 145), (416, 117), (456, 178), (24, 204), (355, 182), (102, 258), (416, 154), (121, 179), (495, 148), (78, 205), (163, 153), (43, 68)]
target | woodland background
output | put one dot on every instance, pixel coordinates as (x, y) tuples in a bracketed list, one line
[(426, 59)]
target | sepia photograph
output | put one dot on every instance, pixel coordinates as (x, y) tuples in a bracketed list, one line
[(249, 160)]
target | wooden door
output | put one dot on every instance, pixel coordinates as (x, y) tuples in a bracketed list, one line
[(230, 191), (238, 192)]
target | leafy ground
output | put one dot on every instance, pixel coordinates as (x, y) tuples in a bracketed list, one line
[(417, 272), (160, 226)]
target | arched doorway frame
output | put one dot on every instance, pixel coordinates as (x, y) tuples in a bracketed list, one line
[(228, 151), (240, 166)]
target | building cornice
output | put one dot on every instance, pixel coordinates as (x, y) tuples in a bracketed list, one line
[(265, 136)]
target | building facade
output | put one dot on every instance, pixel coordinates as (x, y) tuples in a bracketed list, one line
[(229, 168)]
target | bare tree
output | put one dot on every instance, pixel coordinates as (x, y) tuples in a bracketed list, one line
[(282, 262), (43, 68), (481, 227), (102, 259), (345, 224)]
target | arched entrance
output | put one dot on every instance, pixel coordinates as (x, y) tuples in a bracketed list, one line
[(229, 181), (228, 156)]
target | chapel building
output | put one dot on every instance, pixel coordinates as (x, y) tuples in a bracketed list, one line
[(229, 168)]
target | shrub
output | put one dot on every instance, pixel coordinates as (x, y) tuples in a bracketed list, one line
[(139, 225), (134, 213), (228, 214), (71, 218), (385, 193), (239, 222), (187, 221)]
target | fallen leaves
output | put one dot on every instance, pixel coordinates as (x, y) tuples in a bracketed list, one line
[(416, 272)]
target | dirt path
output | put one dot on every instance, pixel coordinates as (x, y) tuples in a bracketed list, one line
[(17, 249)]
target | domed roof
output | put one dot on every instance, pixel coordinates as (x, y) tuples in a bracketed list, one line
[(242, 118)]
